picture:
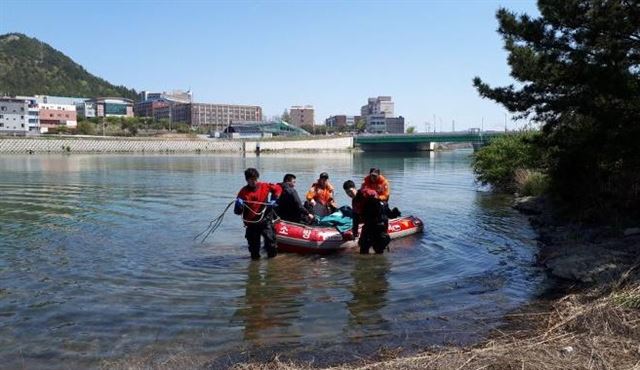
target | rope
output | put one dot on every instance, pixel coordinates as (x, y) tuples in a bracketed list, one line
[(213, 224), (216, 222)]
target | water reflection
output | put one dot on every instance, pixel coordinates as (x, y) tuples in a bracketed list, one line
[(369, 290), (272, 301)]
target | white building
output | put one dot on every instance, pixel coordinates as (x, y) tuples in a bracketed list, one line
[(378, 114), (19, 116)]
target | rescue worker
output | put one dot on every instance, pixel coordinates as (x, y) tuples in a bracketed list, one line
[(290, 208), (380, 185), (368, 209), (320, 196), (256, 208)]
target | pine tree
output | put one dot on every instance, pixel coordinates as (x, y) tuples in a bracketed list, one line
[(578, 73)]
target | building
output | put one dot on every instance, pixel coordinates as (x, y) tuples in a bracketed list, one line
[(211, 117), (395, 125), (378, 105), (86, 109), (302, 115), (378, 114), (19, 116), (150, 101), (53, 115), (106, 107), (256, 129), (341, 120), (63, 100)]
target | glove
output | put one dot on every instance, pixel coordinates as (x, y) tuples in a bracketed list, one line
[(239, 202), (273, 203)]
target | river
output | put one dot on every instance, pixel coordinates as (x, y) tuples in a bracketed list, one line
[(98, 262)]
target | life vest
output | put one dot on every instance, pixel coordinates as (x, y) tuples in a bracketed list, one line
[(323, 196), (381, 186), (255, 198)]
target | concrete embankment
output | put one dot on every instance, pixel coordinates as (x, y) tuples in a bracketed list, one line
[(156, 145)]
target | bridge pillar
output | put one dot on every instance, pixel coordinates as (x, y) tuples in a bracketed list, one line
[(432, 146)]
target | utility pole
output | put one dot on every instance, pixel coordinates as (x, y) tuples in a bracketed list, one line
[(434, 124), (505, 122), (453, 125)]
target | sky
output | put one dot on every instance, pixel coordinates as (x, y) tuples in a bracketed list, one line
[(329, 54)]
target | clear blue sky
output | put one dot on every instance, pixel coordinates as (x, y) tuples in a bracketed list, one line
[(331, 54)]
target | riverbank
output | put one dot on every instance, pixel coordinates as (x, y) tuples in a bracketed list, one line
[(98, 144)]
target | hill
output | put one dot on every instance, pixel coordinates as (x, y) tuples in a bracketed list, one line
[(31, 67)]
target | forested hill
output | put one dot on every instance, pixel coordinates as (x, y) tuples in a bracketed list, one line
[(31, 67)]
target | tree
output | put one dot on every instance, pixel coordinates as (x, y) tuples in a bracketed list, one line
[(361, 125), (411, 130), (578, 67), (86, 128), (286, 116)]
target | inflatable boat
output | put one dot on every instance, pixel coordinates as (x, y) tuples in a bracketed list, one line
[(305, 239)]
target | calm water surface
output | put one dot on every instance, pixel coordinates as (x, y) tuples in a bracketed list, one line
[(98, 262)]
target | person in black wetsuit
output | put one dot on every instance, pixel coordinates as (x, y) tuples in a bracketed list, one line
[(290, 208), (369, 210)]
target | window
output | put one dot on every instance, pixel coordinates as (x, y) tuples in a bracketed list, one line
[(22, 125), (21, 117)]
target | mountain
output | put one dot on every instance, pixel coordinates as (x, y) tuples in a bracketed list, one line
[(29, 66)]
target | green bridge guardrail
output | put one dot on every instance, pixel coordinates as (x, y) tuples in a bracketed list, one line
[(439, 137)]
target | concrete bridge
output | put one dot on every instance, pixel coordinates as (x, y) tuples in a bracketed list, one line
[(422, 141)]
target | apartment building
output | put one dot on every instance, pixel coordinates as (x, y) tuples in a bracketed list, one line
[(302, 115)]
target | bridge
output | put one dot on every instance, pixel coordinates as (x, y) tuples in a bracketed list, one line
[(422, 141)]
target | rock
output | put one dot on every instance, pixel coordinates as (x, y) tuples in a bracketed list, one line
[(632, 231), (587, 263), (529, 205), (567, 350)]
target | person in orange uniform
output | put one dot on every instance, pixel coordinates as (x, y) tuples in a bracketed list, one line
[(375, 181), (320, 196), (256, 208)]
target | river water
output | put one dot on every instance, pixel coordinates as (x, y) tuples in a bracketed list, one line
[(98, 262)]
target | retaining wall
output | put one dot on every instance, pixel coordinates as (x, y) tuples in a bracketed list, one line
[(124, 145)]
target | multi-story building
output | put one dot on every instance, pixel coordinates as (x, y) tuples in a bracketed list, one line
[(302, 115), (378, 105), (149, 101), (341, 120), (212, 117), (107, 107), (55, 115), (19, 116), (378, 114), (395, 125)]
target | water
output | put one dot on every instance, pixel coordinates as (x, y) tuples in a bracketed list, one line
[(98, 262)]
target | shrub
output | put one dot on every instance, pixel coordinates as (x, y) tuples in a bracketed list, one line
[(86, 128), (530, 182), (497, 163)]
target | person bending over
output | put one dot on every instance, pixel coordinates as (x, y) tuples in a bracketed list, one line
[(370, 211)]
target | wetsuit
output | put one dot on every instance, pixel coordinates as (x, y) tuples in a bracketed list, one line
[(369, 210), (257, 217), (290, 207)]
